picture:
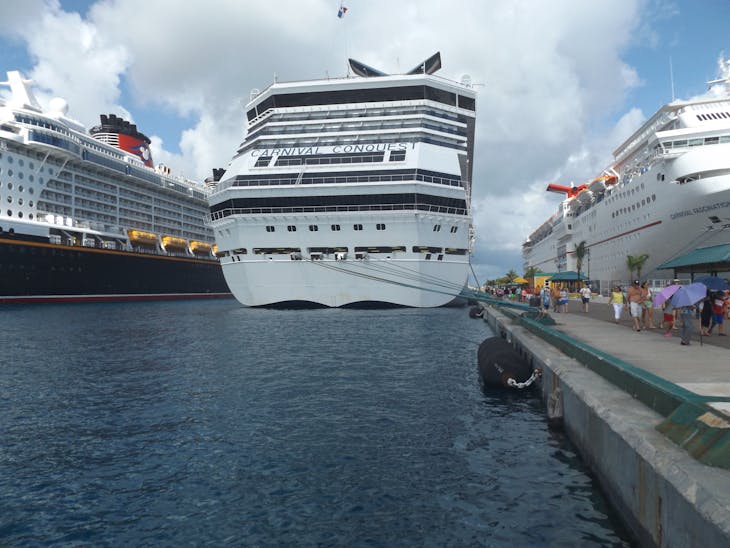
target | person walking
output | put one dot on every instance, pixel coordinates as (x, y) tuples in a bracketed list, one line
[(647, 306), (555, 296), (668, 318), (564, 299), (585, 296), (706, 314), (633, 295), (617, 301), (718, 311), (687, 314)]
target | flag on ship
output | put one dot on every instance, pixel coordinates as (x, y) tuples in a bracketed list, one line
[(342, 11)]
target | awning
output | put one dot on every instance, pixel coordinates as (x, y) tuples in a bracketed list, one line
[(715, 258), (567, 276), (519, 280)]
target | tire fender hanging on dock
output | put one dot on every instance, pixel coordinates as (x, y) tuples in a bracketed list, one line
[(502, 366), (475, 312)]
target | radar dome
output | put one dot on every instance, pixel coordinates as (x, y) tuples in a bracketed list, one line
[(58, 106)]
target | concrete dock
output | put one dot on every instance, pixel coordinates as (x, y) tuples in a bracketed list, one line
[(650, 417)]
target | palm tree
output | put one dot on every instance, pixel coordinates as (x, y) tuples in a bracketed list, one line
[(511, 275), (581, 250), (636, 263), (530, 274)]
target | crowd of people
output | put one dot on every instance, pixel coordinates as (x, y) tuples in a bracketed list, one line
[(638, 300)]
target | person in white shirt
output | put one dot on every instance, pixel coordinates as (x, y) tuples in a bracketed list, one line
[(585, 296)]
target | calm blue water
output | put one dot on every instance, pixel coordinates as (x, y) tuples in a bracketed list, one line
[(208, 423)]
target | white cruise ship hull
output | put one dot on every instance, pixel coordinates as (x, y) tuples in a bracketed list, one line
[(334, 283)]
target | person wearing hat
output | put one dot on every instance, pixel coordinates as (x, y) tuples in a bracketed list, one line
[(634, 297)]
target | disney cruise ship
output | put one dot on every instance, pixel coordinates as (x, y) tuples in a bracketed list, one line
[(84, 216), (351, 192), (666, 193)]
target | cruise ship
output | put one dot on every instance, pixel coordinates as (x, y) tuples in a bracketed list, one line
[(666, 193), (85, 216), (351, 192)]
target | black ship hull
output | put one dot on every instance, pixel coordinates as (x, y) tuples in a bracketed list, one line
[(35, 270)]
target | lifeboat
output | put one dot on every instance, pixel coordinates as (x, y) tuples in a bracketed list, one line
[(173, 243), (217, 252), (141, 238), (200, 248)]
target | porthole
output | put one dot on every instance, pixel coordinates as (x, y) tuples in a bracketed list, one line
[(20, 175), (30, 216), (20, 201), (10, 159), (10, 213), (20, 188), (10, 173), (10, 199), (31, 165), (21, 163), (20, 214), (30, 190)]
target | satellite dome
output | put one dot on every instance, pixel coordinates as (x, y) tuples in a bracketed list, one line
[(58, 106)]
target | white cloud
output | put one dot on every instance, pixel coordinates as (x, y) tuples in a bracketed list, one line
[(546, 72)]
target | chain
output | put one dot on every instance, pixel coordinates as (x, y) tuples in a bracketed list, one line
[(536, 374)]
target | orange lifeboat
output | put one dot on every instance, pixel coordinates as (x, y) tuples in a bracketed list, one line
[(141, 238), (200, 248), (173, 243)]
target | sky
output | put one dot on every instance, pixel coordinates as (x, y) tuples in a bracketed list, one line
[(560, 83)]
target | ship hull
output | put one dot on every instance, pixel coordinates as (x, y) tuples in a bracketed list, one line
[(34, 270), (334, 283)]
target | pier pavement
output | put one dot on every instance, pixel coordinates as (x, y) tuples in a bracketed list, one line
[(703, 367)]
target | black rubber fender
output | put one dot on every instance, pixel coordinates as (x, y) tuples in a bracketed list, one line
[(475, 312), (499, 362)]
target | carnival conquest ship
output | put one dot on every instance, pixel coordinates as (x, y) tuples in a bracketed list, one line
[(666, 193), (86, 216), (351, 192)]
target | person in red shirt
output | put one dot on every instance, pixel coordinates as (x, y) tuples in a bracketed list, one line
[(718, 311)]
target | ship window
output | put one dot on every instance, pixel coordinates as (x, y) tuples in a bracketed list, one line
[(291, 228), (335, 227), (437, 228), (653, 197), (10, 213), (269, 228), (712, 140), (380, 226), (10, 185), (10, 199), (357, 227), (20, 214), (397, 155), (440, 258), (454, 229), (313, 228), (263, 161), (428, 256)]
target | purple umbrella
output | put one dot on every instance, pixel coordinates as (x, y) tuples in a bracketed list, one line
[(687, 295), (664, 294)]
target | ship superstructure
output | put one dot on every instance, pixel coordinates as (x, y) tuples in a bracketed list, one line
[(351, 191), (85, 215), (666, 193)]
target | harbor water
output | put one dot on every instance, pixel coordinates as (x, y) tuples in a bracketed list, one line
[(208, 423)]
